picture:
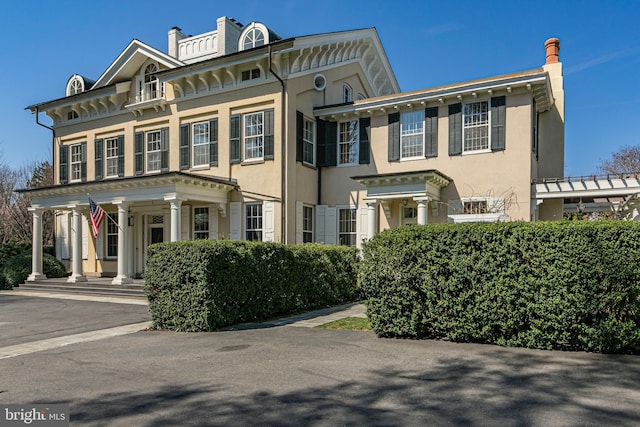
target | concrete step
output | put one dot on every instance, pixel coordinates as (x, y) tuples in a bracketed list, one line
[(86, 288)]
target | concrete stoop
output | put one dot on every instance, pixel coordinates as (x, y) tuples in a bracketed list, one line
[(92, 287)]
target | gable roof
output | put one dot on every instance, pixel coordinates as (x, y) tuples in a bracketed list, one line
[(130, 60)]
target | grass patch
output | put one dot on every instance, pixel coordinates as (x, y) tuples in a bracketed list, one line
[(349, 323)]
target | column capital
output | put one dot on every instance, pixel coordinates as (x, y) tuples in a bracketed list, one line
[(423, 199), (121, 203), (371, 202), (36, 210)]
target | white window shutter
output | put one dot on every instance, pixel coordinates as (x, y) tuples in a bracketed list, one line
[(331, 226), (213, 222), (64, 236), (362, 224), (268, 221), (235, 220), (299, 222), (85, 237), (185, 222), (321, 211)]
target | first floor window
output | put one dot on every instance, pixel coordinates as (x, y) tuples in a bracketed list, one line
[(201, 144), (348, 142), (201, 223), (76, 162), (253, 222), (347, 227), (112, 234), (154, 154), (308, 142), (112, 156), (412, 134), (307, 224), (253, 136), (475, 127), (475, 207)]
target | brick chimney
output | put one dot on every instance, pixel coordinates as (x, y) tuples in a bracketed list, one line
[(552, 47)]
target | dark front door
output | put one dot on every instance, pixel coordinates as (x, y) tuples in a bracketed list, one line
[(157, 235)]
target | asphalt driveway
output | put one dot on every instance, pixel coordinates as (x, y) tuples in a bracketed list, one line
[(288, 375)]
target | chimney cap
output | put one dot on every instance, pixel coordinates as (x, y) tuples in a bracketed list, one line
[(552, 49)]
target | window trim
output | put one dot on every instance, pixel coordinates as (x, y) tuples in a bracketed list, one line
[(356, 143), (305, 232), (354, 221), (246, 136), (148, 152), (311, 142), (207, 145), (421, 155), (107, 157), (76, 162), (488, 127), (194, 231), (347, 93)]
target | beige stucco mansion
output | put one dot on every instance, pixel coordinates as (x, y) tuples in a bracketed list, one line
[(239, 134)]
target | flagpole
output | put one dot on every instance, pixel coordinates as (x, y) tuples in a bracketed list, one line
[(107, 215)]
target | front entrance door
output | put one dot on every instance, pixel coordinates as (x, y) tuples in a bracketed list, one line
[(157, 235)]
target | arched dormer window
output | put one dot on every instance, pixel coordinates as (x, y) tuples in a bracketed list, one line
[(253, 35), (75, 85), (347, 93), (147, 86)]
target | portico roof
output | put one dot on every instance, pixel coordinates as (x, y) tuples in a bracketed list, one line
[(404, 184), (162, 186)]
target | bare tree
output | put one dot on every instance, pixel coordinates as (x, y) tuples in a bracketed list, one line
[(625, 160)]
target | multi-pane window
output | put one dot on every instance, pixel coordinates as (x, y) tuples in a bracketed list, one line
[(347, 93), (476, 126), (308, 142), (201, 223), (412, 134), (348, 143), (347, 227), (250, 74), (254, 38), (112, 156), (475, 207), (253, 136), (112, 234), (307, 224), (76, 162), (154, 154), (253, 224), (201, 141)]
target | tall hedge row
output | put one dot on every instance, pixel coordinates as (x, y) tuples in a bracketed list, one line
[(205, 285), (564, 285)]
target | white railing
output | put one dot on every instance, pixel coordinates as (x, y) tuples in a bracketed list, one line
[(150, 91)]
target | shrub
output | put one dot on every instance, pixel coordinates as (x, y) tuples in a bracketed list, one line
[(17, 268), (563, 285), (206, 285)]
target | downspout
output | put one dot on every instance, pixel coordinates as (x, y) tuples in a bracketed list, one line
[(283, 190), (53, 140)]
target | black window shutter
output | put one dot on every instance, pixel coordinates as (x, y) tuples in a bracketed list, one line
[(268, 134), (213, 142), (164, 148), (139, 152), (455, 129), (299, 136), (394, 137), (234, 139), (64, 164), (365, 140), (185, 142), (327, 154), (120, 149), (498, 120), (98, 156), (83, 165), (431, 132)]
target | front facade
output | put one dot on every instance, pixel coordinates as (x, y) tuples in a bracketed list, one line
[(239, 134)]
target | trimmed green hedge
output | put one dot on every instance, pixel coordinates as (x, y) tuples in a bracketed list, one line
[(17, 268), (562, 285), (205, 285)]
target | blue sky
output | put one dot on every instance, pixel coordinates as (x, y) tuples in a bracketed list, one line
[(429, 43)]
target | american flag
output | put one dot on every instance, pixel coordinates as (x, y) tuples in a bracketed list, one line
[(97, 215)]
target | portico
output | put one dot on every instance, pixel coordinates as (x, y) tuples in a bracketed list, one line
[(134, 207)]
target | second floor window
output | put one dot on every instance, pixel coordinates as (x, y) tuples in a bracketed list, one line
[(201, 140), (154, 155), (475, 127), (348, 143), (112, 157), (412, 134), (253, 136), (76, 162), (308, 142)]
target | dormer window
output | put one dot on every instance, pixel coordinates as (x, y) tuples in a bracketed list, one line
[(75, 85), (253, 35), (347, 93), (147, 86)]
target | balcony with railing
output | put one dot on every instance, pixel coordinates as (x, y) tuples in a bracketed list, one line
[(149, 95)]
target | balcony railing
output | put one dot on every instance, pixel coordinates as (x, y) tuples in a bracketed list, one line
[(150, 91)]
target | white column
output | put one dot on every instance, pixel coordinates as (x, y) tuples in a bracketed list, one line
[(372, 218), (175, 219), (123, 245), (36, 250), (422, 209), (76, 246), (131, 263)]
